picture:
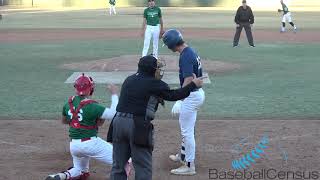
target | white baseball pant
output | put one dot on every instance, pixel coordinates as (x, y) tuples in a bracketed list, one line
[(82, 152), (287, 17), (154, 32), (112, 9), (187, 121)]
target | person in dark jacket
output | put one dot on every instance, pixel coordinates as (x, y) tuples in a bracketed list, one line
[(243, 19), (131, 130)]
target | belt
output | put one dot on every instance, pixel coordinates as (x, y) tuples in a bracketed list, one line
[(197, 89), (84, 139), (121, 114), (153, 25)]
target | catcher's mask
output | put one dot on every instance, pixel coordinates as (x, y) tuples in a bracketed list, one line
[(160, 69), (84, 85), (151, 66)]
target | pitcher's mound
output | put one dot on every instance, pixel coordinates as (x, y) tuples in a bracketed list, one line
[(129, 63)]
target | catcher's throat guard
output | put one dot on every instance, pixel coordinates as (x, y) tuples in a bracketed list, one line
[(160, 69)]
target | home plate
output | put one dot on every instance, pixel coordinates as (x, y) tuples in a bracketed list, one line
[(117, 77)]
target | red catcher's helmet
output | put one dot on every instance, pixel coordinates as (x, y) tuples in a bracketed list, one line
[(84, 85)]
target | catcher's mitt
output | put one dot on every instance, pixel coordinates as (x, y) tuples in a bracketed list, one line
[(279, 10)]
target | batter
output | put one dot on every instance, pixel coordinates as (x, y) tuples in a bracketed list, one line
[(189, 67)]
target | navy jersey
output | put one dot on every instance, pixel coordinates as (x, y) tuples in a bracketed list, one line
[(189, 63)]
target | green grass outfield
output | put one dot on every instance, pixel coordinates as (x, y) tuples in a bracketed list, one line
[(278, 81), (132, 18)]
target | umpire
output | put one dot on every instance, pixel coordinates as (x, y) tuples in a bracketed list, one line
[(131, 131), (244, 19)]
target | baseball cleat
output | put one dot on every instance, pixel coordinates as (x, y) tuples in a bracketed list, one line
[(184, 170), (295, 29), (59, 176)]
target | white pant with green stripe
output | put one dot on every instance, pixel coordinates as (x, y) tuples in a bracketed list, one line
[(154, 32)]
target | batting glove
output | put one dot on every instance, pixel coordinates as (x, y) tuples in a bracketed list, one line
[(176, 108)]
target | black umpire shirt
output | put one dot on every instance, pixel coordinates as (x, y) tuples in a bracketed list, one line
[(141, 93), (244, 15)]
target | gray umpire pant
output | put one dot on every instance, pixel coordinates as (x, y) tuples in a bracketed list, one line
[(247, 28), (124, 148)]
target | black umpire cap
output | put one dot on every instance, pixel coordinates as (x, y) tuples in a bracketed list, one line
[(148, 64)]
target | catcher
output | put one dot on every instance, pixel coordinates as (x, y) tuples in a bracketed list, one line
[(84, 116), (286, 17)]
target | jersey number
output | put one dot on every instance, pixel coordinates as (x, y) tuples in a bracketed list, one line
[(199, 62), (80, 117)]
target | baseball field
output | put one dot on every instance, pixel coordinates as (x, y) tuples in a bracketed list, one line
[(272, 89)]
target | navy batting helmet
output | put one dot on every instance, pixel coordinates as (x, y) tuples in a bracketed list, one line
[(172, 38)]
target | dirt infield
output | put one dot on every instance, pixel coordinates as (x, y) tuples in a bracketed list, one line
[(32, 149), (129, 63), (29, 35)]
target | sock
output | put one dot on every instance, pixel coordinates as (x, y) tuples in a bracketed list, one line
[(291, 24), (190, 164), (183, 156)]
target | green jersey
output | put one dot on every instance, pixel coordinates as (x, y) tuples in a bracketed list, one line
[(87, 116), (284, 8), (112, 2), (152, 15)]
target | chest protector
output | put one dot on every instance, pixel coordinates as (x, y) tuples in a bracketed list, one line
[(75, 123)]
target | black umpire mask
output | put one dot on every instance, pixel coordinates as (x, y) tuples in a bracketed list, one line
[(149, 65)]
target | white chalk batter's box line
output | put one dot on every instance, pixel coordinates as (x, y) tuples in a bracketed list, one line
[(117, 77)]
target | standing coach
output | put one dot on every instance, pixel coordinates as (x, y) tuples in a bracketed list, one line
[(131, 131), (244, 19)]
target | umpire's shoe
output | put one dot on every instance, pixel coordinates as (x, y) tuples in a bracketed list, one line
[(188, 169)]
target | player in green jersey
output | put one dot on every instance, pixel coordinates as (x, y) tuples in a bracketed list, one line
[(112, 8), (84, 116), (152, 27), (286, 17)]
